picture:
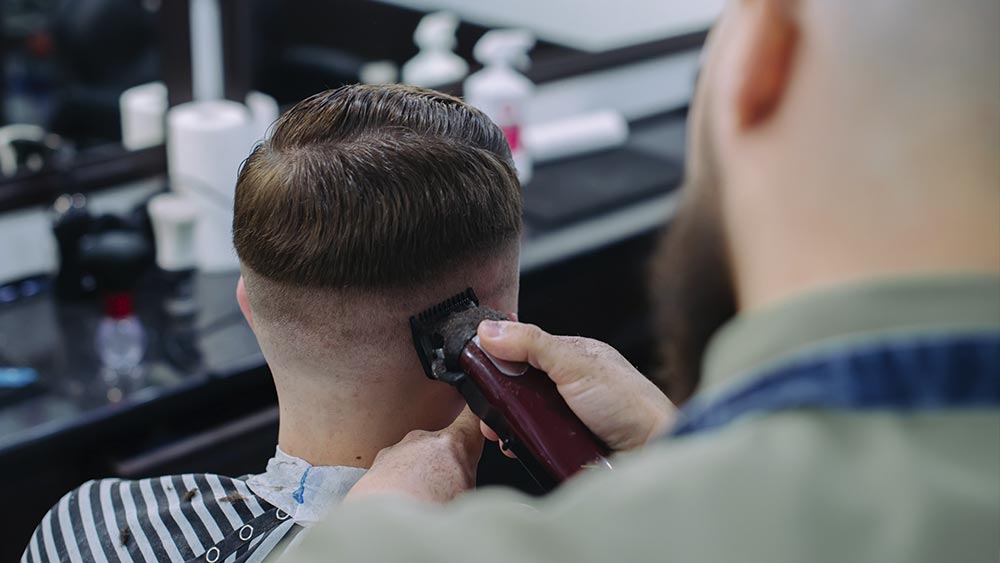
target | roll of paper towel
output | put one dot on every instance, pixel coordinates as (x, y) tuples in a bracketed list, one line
[(264, 110), (206, 142), (580, 134), (143, 109)]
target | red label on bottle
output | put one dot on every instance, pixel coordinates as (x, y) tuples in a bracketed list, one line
[(513, 134), (118, 305)]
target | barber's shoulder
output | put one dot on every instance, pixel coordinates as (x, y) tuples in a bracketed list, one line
[(736, 475), (670, 475)]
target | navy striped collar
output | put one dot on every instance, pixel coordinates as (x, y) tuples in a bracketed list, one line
[(958, 371), (851, 314)]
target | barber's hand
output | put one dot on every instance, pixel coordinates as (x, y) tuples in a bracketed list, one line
[(429, 466), (614, 400)]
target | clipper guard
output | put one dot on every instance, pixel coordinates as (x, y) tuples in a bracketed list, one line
[(520, 403)]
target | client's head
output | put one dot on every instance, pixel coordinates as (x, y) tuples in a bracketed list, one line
[(366, 205)]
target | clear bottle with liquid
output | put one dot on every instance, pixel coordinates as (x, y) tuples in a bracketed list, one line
[(117, 260), (120, 338)]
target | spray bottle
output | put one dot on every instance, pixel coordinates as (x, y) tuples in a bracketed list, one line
[(502, 92), (436, 63)]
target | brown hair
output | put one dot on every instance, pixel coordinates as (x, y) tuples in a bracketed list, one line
[(375, 187)]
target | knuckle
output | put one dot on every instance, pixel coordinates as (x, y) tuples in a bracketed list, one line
[(417, 435), (456, 447), (595, 349), (585, 347), (440, 439), (533, 333), (452, 441)]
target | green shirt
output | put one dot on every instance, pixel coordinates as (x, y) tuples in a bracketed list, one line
[(804, 485)]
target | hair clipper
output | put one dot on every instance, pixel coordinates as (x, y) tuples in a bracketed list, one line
[(520, 403)]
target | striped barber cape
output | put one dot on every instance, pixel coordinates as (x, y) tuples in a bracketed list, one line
[(193, 517)]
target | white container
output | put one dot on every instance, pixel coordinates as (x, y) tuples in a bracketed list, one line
[(264, 112), (574, 136), (436, 64), (143, 112), (379, 72), (206, 143), (174, 217), (501, 92)]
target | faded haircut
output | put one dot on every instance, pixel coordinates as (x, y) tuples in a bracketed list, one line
[(374, 189)]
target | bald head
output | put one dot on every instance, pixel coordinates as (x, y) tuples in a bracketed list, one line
[(897, 79), (833, 141), (854, 139)]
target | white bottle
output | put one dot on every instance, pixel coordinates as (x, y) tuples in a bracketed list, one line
[(436, 64), (501, 92)]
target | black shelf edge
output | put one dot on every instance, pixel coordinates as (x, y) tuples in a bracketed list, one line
[(90, 172)]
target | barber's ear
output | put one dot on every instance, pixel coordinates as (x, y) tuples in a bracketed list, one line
[(769, 44), (241, 298)]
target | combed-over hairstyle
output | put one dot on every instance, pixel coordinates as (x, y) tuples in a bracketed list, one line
[(375, 187)]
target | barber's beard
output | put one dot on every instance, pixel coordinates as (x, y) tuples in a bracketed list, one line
[(693, 292), (692, 285)]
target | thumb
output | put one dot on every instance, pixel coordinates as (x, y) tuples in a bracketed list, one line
[(563, 359), (517, 342)]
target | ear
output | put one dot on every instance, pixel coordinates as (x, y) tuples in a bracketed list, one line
[(241, 298), (769, 47)]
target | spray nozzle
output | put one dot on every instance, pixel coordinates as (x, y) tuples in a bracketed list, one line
[(508, 46), (436, 31)]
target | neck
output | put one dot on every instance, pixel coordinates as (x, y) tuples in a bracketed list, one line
[(326, 425)]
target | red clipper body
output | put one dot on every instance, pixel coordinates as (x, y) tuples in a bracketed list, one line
[(519, 402)]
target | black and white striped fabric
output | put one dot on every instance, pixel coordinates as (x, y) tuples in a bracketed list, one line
[(179, 518)]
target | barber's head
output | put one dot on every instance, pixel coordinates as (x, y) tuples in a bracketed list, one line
[(366, 205), (831, 141)]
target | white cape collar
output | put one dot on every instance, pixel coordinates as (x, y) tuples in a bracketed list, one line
[(306, 492)]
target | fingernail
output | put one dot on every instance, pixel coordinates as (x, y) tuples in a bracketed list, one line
[(491, 329)]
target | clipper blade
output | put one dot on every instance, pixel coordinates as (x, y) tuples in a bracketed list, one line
[(427, 335)]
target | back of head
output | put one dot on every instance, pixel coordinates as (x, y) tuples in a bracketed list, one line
[(367, 204), (835, 131)]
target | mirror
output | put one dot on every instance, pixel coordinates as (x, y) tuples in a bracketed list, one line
[(65, 63)]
